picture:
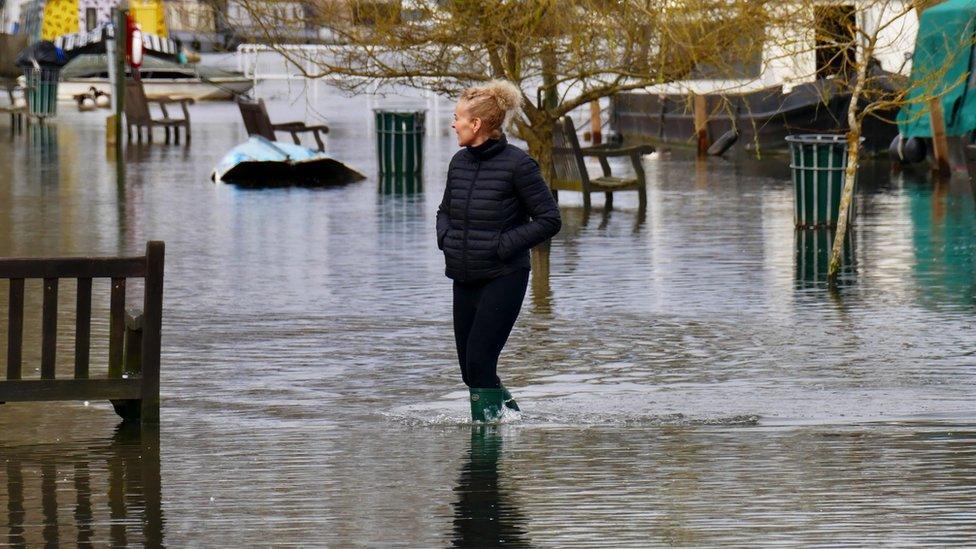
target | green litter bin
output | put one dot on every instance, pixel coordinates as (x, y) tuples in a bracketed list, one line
[(42, 91), (812, 255), (400, 142), (818, 163)]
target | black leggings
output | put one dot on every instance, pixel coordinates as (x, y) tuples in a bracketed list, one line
[(484, 313)]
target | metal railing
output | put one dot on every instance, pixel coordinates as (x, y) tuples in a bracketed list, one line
[(302, 61)]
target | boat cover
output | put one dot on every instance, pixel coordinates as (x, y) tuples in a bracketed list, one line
[(263, 163), (943, 64), (93, 41)]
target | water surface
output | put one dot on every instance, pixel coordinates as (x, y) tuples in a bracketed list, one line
[(686, 377)]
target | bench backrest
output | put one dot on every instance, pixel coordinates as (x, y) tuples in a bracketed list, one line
[(84, 270), (136, 104), (256, 120), (567, 159)]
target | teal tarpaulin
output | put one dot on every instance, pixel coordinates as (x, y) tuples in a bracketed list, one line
[(942, 64)]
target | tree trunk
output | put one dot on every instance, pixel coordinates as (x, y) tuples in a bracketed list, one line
[(850, 174), (538, 137)]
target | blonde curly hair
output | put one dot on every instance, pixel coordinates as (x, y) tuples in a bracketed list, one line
[(494, 102)]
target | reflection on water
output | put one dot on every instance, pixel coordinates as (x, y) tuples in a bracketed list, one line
[(684, 375), (944, 226), (97, 493), (485, 514), (42, 141), (576, 220), (813, 250), (392, 183)]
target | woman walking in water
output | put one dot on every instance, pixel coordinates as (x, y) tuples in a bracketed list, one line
[(496, 207)]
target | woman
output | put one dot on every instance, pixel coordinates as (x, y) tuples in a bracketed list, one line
[(496, 207)]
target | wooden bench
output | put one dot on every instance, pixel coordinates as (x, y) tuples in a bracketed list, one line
[(138, 116), (133, 373), (570, 168), (257, 122)]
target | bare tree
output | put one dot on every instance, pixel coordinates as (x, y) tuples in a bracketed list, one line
[(871, 27), (563, 54)]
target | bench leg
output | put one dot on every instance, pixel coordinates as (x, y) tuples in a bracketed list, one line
[(586, 200), (167, 133), (608, 203), (176, 134), (187, 128), (642, 196), (149, 133)]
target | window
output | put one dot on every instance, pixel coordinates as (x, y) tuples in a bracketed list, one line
[(835, 39)]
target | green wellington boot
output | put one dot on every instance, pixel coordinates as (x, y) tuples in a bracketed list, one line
[(486, 404), (509, 400)]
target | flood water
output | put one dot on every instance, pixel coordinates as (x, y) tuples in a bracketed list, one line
[(686, 378)]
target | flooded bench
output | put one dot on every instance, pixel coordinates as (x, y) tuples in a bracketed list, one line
[(131, 380)]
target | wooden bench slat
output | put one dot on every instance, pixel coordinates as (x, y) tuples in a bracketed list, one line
[(28, 390), (15, 328), (116, 328), (74, 267), (83, 328), (49, 329), (613, 181), (152, 330)]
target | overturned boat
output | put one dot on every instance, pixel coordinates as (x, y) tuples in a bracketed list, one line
[(753, 122), (259, 162), (159, 77)]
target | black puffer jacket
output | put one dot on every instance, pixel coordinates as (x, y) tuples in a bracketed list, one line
[(496, 207)]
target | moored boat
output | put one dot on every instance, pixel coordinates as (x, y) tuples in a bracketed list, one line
[(159, 77)]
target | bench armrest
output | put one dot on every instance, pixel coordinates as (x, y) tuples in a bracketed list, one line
[(602, 152), (165, 99), (295, 128), (285, 126), (299, 127), (607, 152)]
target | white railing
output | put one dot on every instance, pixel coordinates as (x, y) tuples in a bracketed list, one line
[(303, 62)]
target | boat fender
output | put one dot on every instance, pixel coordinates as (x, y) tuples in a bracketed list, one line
[(907, 151), (723, 143)]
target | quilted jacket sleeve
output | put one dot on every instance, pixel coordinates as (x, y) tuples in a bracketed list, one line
[(443, 217), (535, 196)]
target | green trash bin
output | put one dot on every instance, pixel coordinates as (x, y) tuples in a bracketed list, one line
[(818, 163), (400, 142), (42, 91)]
